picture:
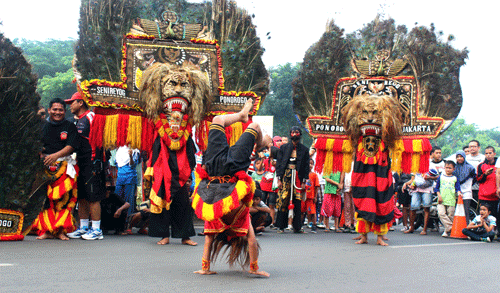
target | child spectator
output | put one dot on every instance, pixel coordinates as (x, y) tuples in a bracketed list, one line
[(421, 194), (348, 204), (447, 186), (266, 183), (126, 182), (259, 169), (312, 190), (404, 198), (482, 227), (465, 173), (113, 212), (259, 213), (332, 202)]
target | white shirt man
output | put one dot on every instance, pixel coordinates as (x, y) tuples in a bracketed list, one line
[(475, 158)]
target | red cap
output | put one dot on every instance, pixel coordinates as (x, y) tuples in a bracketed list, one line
[(76, 96)]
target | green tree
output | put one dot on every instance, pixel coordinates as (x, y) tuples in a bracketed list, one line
[(49, 57), (460, 133), (51, 61), (279, 101), (58, 86)]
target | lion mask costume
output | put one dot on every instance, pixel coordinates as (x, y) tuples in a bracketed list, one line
[(173, 89), (174, 98), (373, 123), (373, 115)]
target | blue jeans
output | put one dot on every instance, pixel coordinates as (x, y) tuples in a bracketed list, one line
[(420, 198), (127, 193), (477, 236)]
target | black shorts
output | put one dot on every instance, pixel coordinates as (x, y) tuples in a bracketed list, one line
[(90, 187), (220, 159), (271, 198), (404, 199)]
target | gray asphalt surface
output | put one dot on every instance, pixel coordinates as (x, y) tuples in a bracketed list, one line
[(323, 262)]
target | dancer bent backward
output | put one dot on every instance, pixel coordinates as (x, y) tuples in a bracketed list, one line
[(224, 193)]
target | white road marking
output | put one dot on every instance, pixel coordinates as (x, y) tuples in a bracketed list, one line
[(6, 264), (436, 244)]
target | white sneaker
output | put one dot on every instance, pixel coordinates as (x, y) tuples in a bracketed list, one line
[(445, 234), (93, 234), (289, 228), (78, 233)]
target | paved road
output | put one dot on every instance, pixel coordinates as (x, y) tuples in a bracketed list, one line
[(323, 262)]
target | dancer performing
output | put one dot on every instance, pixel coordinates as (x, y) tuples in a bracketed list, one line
[(374, 123), (172, 97), (224, 193), (292, 170)]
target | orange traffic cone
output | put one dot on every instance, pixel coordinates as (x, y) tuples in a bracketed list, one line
[(459, 221), (342, 220)]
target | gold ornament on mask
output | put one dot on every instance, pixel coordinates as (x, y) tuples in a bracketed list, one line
[(371, 145)]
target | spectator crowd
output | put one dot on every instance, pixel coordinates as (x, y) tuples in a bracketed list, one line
[(290, 196)]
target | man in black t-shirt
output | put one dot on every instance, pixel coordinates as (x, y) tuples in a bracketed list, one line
[(60, 139), (91, 186)]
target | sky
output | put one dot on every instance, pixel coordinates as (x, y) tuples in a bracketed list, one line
[(295, 25)]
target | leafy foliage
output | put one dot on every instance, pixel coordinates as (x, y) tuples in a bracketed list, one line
[(279, 101), (58, 86), (49, 57), (20, 127), (460, 133), (51, 61)]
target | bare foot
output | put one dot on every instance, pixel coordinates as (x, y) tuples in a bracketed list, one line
[(380, 241), (260, 273), (202, 272), (423, 232), (246, 109), (62, 236), (164, 241), (385, 238), (357, 237), (263, 141), (189, 242), (363, 240), (409, 231), (45, 235)]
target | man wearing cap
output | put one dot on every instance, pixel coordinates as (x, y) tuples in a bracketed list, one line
[(90, 191)]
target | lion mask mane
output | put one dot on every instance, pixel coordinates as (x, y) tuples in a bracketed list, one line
[(381, 113), (163, 81)]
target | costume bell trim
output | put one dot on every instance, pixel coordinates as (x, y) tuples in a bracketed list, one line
[(242, 192), (408, 155)]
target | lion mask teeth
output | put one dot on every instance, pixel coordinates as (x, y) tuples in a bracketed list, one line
[(178, 104), (370, 130)]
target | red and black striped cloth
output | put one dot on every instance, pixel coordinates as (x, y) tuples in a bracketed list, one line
[(372, 189)]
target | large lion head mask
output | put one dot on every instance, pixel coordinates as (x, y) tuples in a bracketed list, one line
[(166, 88), (373, 115)]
